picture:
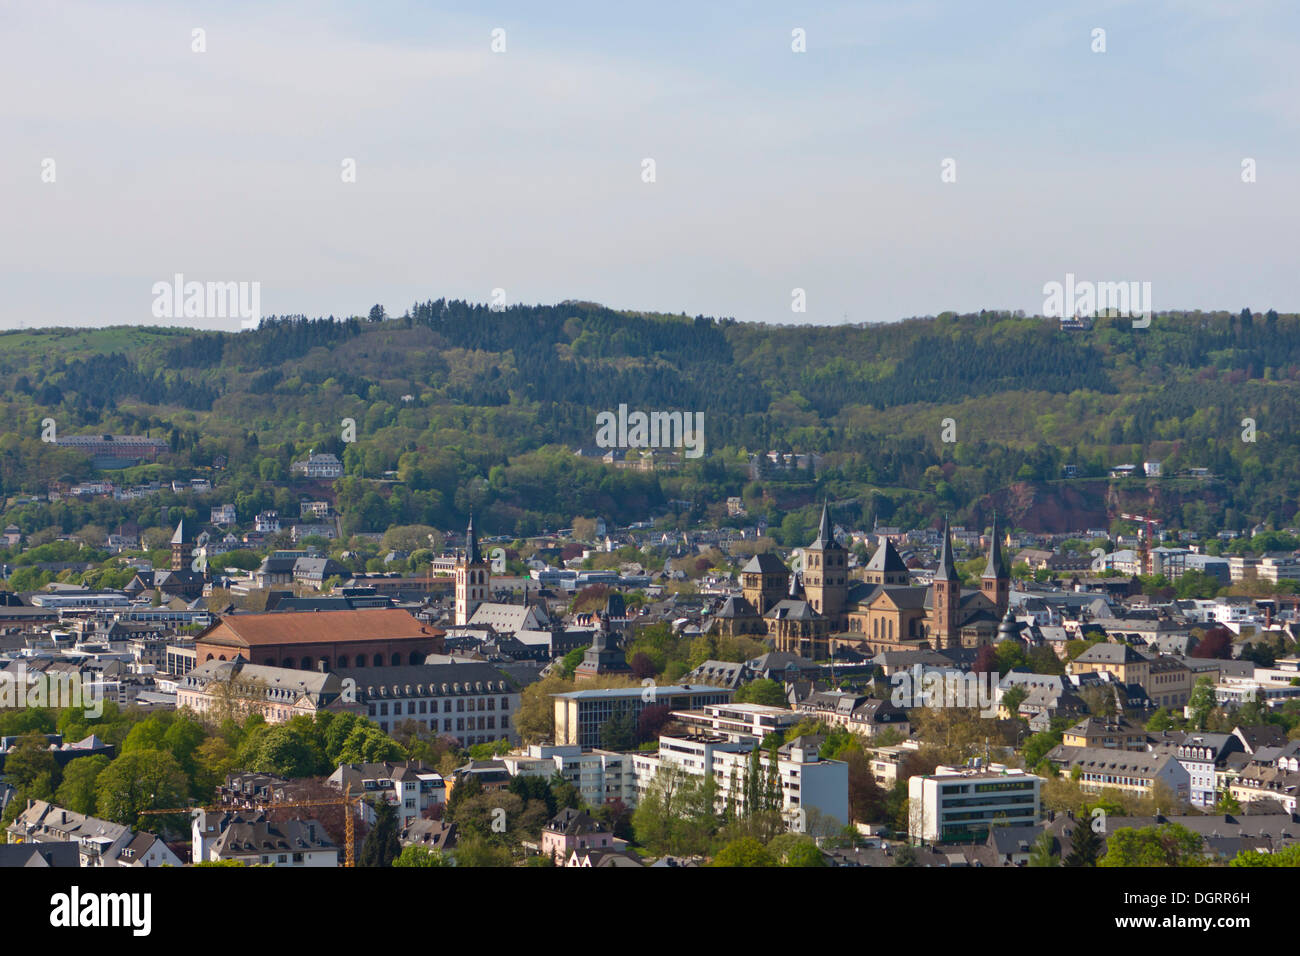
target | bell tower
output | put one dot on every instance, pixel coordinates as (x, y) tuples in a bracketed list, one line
[(947, 596), (473, 577), (825, 574)]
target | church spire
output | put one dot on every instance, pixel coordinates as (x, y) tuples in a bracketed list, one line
[(996, 568), (825, 533), (472, 555), (947, 570)]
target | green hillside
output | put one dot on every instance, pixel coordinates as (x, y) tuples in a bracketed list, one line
[(475, 408)]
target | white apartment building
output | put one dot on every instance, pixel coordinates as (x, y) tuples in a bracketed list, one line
[(410, 787), (807, 781), (738, 721), (1242, 567), (1267, 685), (961, 803), (1229, 611), (1279, 566), (599, 775)]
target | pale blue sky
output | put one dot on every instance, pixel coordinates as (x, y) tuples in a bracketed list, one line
[(522, 170)]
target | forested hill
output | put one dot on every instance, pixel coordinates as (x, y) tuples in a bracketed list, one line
[(474, 407)]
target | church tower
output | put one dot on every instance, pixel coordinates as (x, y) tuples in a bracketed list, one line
[(947, 596), (996, 582), (826, 573), (473, 577), (181, 547)]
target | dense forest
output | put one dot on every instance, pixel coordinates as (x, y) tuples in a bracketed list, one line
[(460, 406)]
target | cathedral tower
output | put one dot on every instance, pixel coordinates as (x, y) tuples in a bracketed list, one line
[(825, 574), (947, 597)]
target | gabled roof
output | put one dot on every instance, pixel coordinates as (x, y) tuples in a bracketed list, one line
[(571, 822), (792, 609), (243, 835), (64, 853), (736, 606), (1108, 653), (765, 563)]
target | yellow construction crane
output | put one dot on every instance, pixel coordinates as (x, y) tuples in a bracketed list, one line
[(1145, 561), (347, 800)]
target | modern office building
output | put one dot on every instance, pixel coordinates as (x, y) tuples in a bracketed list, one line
[(959, 804)]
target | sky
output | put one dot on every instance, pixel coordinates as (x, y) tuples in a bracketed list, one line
[(524, 170)]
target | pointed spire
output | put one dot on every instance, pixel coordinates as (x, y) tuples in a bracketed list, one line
[(825, 533), (947, 570), (887, 559), (472, 555), (996, 568)]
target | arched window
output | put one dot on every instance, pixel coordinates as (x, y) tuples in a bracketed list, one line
[(343, 660), (397, 660), (415, 657), (379, 660), (306, 663)]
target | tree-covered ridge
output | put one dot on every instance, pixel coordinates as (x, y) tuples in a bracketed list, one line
[(473, 407)]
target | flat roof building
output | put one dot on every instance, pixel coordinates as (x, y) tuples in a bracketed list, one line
[(959, 804)]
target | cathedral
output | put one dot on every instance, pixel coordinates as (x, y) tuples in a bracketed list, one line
[(809, 611)]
